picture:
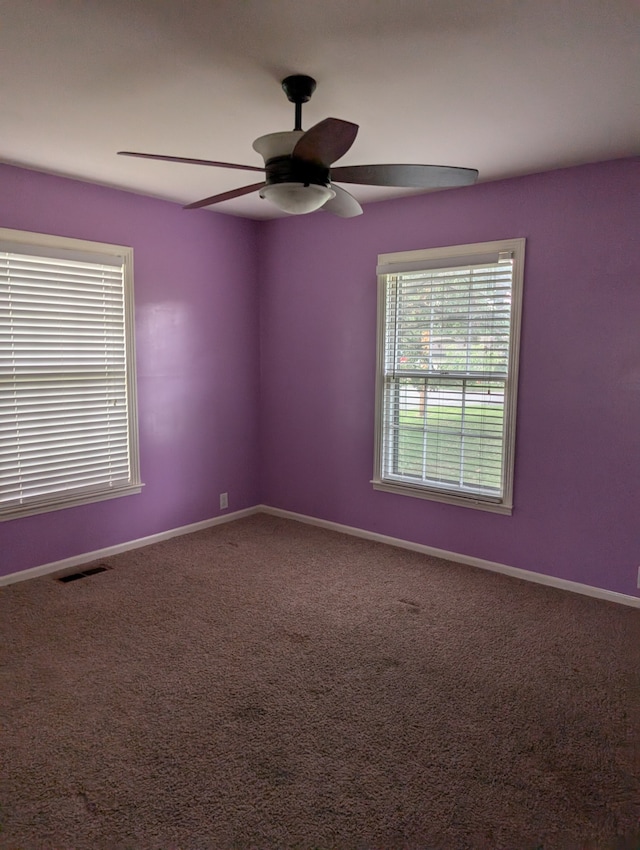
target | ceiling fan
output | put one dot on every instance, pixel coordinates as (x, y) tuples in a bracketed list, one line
[(299, 177)]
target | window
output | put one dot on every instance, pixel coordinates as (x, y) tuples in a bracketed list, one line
[(68, 428), (448, 339)]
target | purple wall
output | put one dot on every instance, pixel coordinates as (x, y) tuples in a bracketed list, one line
[(578, 441), (200, 292), (197, 361)]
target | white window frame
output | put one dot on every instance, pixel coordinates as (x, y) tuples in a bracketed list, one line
[(40, 244), (446, 257)]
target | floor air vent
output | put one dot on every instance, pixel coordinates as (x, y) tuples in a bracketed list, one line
[(102, 568)]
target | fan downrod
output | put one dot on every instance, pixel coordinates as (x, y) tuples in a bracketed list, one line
[(298, 89)]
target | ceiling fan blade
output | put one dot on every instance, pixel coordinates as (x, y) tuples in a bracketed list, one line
[(344, 204), (190, 161), (326, 141), (225, 196), (409, 176)]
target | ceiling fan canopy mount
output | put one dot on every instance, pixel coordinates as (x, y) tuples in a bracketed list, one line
[(298, 173), (298, 88)]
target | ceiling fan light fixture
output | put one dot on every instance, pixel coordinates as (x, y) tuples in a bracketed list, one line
[(298, 165), (297, 198)]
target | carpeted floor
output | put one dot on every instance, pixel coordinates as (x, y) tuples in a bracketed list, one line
[(266, 684)]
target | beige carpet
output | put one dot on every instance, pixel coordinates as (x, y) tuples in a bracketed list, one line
[(266, 684)]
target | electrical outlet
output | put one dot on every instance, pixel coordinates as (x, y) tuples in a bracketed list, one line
[(224, 501)]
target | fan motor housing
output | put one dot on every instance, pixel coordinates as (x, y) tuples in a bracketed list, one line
[(287, 169), (280, 164)]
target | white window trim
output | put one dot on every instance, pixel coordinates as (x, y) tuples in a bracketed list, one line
[(37, 242), (436, 256)]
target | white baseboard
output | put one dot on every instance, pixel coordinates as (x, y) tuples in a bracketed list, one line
[(87, 557), (515, 572)]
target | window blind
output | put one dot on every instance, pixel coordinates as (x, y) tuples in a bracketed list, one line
[(446, 356), (64, 396)]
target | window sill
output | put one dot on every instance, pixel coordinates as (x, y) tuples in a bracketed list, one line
[(16, 511), (477, 504)]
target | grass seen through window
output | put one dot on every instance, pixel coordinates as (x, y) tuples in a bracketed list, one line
[(449, 443)]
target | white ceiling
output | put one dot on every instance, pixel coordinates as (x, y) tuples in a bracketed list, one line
[(506, 86)]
